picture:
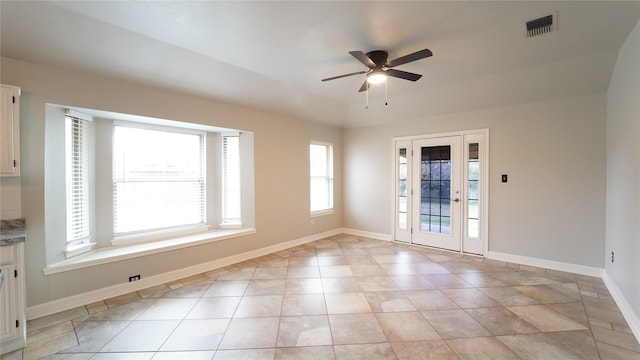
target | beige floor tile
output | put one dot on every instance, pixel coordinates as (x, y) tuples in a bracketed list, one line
[(303, 272), (377, 283), (304, 331), (481, 279), (382, 351), (482, 348), (447, 281), (122, 299), (193, 335), (264, 273), (251, 333), (340, 285), (547, 295), (406, 326), (580, 342), (430, 300), (227, 288), (349, 297), (189, 291), (215, 308), (423, 350), (389, 301), (508, 296), (57, 318), (123, 356), (308, 352), (537, 347), (141, 336), (470, 298), (347, 303), (44, 347), (545, 319), (412, 282), (35, 335), (251, 354), (184, 355), (611, 352), (303, 286), (265, 287), (451, 324), (500, 321), (129, 311), (303, 304), (615, 338), (367, 270), (93, 335), (259, 306), (169, 309), (356, 329)]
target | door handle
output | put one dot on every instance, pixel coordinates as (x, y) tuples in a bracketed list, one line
[(456, 199)]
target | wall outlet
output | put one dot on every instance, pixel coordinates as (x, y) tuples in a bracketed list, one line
[(134, 278), (612, 256)]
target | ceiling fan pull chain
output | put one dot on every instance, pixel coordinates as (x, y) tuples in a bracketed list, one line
[(386, 97), (367, 97)]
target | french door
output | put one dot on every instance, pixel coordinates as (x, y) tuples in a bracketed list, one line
[(441, 192)]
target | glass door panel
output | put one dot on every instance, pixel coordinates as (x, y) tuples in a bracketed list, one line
[(402, 197), (437, 176)]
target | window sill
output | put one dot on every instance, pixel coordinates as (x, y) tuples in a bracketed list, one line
[(112, 254), (321, 213)]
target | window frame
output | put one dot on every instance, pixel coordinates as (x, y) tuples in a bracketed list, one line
[(77, 184), (329, 172), (120, 238), (101, 245)]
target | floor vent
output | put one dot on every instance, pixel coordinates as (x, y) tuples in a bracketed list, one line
[(540, 25)]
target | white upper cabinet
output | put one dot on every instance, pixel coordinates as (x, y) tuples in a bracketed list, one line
[(10, 131)]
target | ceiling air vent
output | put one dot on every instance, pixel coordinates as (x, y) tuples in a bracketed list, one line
[(540, 26)]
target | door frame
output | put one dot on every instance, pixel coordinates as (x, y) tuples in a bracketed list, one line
[(478, 246)]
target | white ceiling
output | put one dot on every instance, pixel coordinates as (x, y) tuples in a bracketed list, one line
[(272, 55)]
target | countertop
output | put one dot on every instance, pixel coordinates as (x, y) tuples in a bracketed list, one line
[(12, 231)]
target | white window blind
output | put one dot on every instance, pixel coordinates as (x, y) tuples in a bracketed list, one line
[(77, 179), (158, 179), (231, 179), (321, 171)]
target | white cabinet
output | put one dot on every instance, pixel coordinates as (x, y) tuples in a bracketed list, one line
[(10, 131), (13, 333)]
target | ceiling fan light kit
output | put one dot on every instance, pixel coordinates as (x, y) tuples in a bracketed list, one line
[(380, 68)]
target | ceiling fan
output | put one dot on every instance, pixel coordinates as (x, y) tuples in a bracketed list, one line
[(380, 68)]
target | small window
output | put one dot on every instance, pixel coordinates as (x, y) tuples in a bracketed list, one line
[(321, 171), (231, 180), (158, 179), (77, 180)]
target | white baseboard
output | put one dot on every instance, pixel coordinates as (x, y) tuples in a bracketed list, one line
[(368, 234), (546, 264), (55, 306), (633, 320)]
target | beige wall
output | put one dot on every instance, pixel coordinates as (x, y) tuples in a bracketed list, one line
[(623, 175), (552, 208), (281, 171)]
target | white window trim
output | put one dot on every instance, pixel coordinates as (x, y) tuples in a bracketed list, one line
[(112, 254), (330, 210)]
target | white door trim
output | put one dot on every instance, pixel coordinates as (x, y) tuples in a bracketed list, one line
[(478, 246)]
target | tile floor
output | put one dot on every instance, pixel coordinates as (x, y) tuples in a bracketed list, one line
[(346, 297)]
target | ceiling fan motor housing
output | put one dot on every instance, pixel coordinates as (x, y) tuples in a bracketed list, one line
[(379, 57)]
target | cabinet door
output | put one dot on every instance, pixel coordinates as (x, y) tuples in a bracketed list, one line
[(9, 131), (8, 305)]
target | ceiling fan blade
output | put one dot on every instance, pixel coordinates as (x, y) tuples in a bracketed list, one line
[(403, 75), (363, 58), (365, 86), (345, 75), (409, 58)]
